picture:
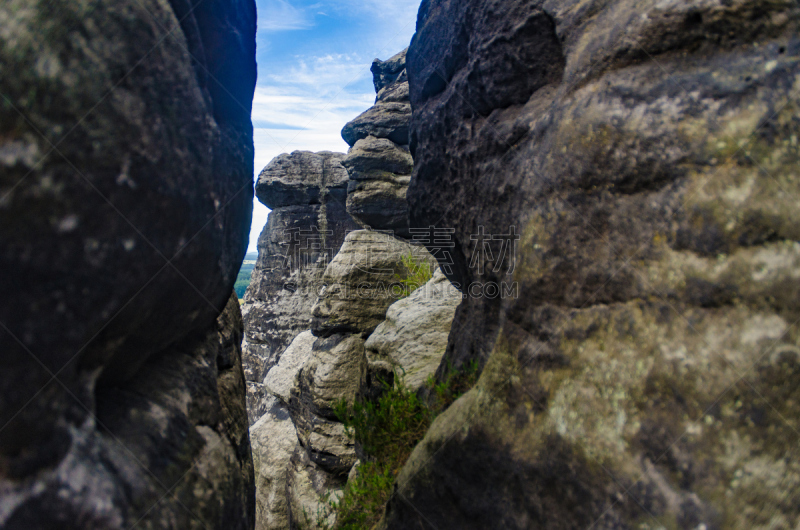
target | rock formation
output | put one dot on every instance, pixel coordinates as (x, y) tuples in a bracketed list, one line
[(125, 201), (302, 453), (306, 193), (642, 369), (305, 349), (413, 338), (378, 162)]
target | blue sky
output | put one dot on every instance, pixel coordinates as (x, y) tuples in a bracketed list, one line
[(313, 72)]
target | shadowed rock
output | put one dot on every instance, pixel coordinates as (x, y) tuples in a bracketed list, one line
[(645, 156), (125, 204)]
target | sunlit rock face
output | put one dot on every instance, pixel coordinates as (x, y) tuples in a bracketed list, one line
[(126, 163), (412, 340), (644, 371), (307, 193)]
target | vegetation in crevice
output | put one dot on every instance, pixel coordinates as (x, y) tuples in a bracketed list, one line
[(418, 272), (387, 430)]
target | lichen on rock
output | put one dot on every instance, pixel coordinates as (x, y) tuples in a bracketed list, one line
[(645, 154)]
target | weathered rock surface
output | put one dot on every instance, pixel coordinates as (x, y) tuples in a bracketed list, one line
[(310, 490), (274, 440), (301, 452), (378, 162), (384, 120), (320, 368), (307, 193), (125, 198), (645, 153), (413, 338), (336, 370), (177, 430), (300, 178), (390, 73), (281, 378), (361, 282)]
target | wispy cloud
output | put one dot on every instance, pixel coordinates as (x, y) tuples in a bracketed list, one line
[(322, 74), (280, 15), (311, 83), (400, 12), (263, 124)]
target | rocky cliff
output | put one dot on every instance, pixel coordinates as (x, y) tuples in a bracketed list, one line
[(332, 330), (306, 193), (640, 157), (125, 200)]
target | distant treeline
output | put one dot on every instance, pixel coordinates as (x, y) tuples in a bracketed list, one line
[(243, 280)]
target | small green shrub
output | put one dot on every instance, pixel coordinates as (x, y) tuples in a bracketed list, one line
[(455, 385), (388, 430), (418, 272)]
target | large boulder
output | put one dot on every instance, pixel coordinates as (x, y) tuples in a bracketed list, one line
[(643, 370), (383, 120), (307, 225), (413, 338), (125, 204), (361, 282)]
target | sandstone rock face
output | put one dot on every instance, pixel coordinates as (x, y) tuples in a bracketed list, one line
[(646, 372), (280, 379), (335, 371), (378, 162), (274, 440), (413, 338), (125, 200), (307, 193), (309, 490), (301, 453), (361, 282), (321, 367)]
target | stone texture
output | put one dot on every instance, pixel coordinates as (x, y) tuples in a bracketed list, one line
[(384, 120), (335, 371), (177, 428), (378, 162), (380, 203), (299, 178), (308, 222), (281, 378), (361, 282), (274, 440), (645, 153), (413, 338), (310, 489), (318, 369), (125, 206), (377, 159), (388, 73)]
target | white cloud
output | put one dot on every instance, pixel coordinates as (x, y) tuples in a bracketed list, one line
[(325, 73), (400, 12), (309, 104), (305, 109), (280, 15), (302, 102)]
